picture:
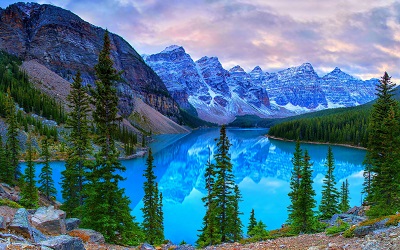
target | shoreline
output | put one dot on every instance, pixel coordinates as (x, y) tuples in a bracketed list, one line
[(317, 143), (139, 153)]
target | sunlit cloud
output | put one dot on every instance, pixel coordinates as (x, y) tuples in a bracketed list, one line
[(360, 37)]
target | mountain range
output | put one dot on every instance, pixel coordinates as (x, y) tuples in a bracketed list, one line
[(46, 36), (206, 89)]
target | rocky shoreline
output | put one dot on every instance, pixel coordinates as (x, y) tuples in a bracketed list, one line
[(317, 143)]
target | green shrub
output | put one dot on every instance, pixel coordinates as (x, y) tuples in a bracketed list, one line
[(9, 203), (349, 233), (342, 226)]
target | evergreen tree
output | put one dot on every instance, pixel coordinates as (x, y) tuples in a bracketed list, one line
[(152, 223), (160, 216), (209, 233), (329, 202), (235, 223), (252, 222), (297, 162), (221, 222), (383, 152), (106, 208), (344, 197), (13, 149), (4, 165), (76, 166), (29, 192), (303, 214), (46, 181), (224, 188), (259, 232)]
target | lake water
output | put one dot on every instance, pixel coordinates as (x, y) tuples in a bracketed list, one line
[(261, 167)]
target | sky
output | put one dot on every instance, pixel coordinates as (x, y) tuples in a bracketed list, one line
[(362, 37)]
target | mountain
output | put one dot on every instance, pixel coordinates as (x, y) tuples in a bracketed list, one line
[(64, 43), (206, 89)]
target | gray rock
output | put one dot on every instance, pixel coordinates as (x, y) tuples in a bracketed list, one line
[(63, 242), (88, 235), (348, 218), (2, 223), (20, 223), (3, 246), (72, 223), (49, 220), (37, 235), (185, 247), (146, 246), (365, 230)]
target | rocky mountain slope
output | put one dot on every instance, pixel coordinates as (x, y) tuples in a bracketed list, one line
[(64, 43), (205, 88)]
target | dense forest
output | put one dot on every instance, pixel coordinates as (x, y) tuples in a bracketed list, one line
[(341, 125)]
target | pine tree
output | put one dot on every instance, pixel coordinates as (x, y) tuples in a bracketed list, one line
[(46, 180), (76, 166), (209, 233), (235, 222), (252, 223), (4, 165), (344, 197), (383, 152), (160, 216), (303, 214), (152, 223), (329, 202), (259, 232), (29, 192), (106, 208), (224, 186), (221, 222), (13, 149), (297, 162)]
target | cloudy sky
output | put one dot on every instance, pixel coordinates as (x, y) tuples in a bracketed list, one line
[(362, 37)]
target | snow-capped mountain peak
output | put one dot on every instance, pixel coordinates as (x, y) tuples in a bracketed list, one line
[(205, 88)]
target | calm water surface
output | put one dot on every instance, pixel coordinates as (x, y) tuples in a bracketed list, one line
[(261, 167)]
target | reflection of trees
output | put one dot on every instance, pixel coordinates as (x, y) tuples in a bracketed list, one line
[(252, 155)]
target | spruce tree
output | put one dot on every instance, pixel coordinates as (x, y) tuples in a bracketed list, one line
[(152, 223), (4, 165), (252, 222), (224, 187), (221, 222), (344, 197), (13, 149), (259, 231), (209, 233), (45, 177), (76, 166), (297, 162), (106, 208), (29, 192), (330, 195), (383, 152), (303, 214), (235, 222)]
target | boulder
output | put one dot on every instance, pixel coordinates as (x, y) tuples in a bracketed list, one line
[(20, 223), (365, 230), (348, 218), (146, 246), (37, 235), (87, 235), (2, 222), (49, 221), (72, 223), (63, 242)]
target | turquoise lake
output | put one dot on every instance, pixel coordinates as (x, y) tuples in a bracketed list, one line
[(261, 167)]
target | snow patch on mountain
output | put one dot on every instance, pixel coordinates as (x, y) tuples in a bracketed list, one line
[(218, 95)]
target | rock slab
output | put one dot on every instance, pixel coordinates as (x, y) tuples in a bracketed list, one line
[(88, 235), (20, 223), (49, 221), (63, 242)]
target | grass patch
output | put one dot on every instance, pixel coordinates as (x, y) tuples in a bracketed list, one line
[(9, 203), (341, 227)]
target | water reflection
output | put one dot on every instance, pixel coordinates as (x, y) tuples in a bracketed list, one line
[(261, 167)]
